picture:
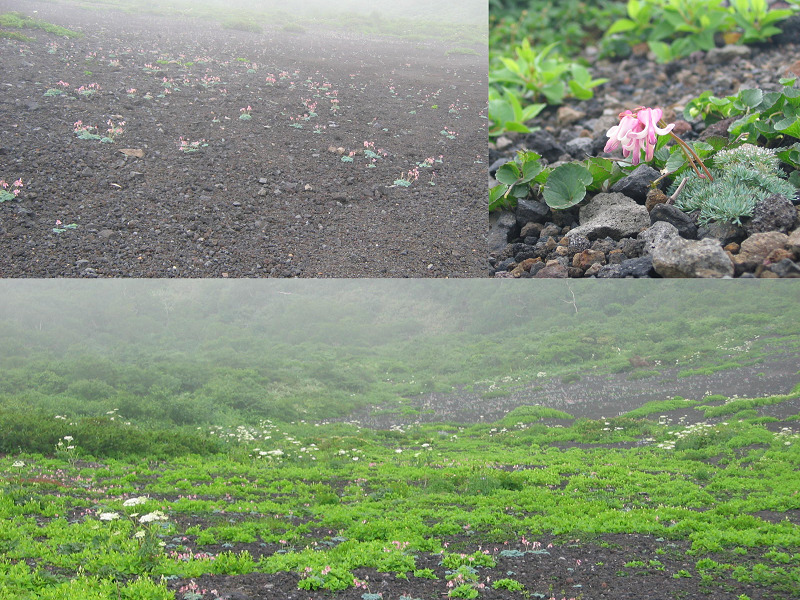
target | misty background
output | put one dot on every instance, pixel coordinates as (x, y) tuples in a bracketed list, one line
[(226, 352), (464, 21)]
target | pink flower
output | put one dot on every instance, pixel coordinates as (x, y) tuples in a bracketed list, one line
[(636, 132)]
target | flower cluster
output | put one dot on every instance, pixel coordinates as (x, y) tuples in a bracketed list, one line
[(5, 194), (637, 132)]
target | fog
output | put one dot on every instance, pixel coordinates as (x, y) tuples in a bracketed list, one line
[(223, 351), (472, 12)]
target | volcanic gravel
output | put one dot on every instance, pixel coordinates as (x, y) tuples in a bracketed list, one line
[(268, 196)]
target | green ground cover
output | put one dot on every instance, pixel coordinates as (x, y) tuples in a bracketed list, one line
[(321, 501)]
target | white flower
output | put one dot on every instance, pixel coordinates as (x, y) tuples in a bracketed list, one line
[(398, 451), (109, 516), (153, 516), (18, 464), (135, 501), (68, 438), (139, 534)]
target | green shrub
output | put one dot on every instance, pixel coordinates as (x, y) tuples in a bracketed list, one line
[(242, 25)]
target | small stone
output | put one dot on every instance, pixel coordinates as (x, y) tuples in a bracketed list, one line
[(682, 222), (637, 267), (503, 142), (786, 268), (553, 269), (107, 234), (583, 260), (775, 213), (778, 255), (724, 232), (593, 270), (550, 230), (654, 197), (679, 257), (794, 241), (609, 272), (502, 228), (733, 248), (579, 147), (614, 215), (578, 243), (531, 211), (616, 257), (637, 184), (528, 263), (657, 235), (566, 115), (755, 249), (530, 229), (544, 144), (727, 54)]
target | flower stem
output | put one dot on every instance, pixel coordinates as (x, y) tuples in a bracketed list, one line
[(690, 154)]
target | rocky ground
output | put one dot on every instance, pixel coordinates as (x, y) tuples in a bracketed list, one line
[(596, 396), (188, 189), (621, 233)]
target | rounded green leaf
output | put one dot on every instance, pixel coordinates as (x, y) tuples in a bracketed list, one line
[(566, 186)]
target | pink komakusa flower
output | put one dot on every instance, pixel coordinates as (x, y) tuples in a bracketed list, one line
[(637, 131)]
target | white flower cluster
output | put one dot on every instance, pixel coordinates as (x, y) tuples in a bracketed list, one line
[(153, 516), (696, 428), (788, 435), (135, 501)]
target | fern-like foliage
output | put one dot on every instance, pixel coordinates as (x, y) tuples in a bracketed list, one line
[(743, 176)]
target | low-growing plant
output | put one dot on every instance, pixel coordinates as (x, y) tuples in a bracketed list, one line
[(544, 75), (5, 194), (743, 176), (676, 28)]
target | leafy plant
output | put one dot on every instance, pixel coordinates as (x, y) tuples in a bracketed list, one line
[(743, 176), (762, 116), (542, 74), (676, 28), (757, 20), (515, 179), (506, 113)]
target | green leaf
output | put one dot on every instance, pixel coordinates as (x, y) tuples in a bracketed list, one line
[(789, 126), (554, 92), (580, 92), (676, 161), (751, 97), (621, 26), (566, 186), (601, 169), (497, 200), (508, 173), (662, 51)]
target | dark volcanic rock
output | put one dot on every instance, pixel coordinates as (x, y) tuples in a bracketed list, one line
[(776, 213), (637, 184), (545, 144), (675, 216)]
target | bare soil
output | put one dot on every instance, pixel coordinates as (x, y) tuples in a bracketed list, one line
[(268, 196)]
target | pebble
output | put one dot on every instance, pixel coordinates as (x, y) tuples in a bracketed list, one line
[(679, 257)]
